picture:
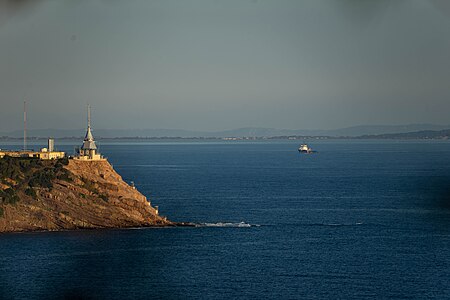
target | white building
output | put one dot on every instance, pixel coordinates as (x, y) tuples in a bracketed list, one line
[(44, 154)]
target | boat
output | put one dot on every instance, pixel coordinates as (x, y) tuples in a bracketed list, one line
[(305, 149)]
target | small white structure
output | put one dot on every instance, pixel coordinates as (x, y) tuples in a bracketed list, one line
[(51, 145), (44, 153)]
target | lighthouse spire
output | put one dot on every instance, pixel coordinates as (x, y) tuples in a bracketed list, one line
[(89, 150), (89, 115), (89, 142)]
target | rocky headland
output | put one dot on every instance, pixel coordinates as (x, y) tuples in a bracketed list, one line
[(66, 194)]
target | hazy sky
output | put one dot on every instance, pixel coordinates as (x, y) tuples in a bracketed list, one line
[(214, 65)]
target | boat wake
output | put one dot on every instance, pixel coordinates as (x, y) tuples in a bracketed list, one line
[(227, 224), (338, 224)]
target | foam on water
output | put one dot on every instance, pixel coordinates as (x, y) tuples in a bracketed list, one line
[(334, 224), (227, 224)]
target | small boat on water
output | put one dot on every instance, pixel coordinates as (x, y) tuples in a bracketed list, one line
[(305, 149)]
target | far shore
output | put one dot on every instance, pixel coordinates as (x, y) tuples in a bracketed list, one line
[(215, 139)]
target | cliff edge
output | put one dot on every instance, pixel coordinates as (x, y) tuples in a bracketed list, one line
[(69, 194)]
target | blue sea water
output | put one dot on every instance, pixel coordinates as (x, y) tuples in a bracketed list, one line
[(357, 220)]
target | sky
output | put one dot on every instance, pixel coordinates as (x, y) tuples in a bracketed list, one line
[(223, 64)]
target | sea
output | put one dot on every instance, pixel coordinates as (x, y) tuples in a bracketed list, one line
[(358, 219)]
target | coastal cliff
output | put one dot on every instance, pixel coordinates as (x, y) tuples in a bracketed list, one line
[(69, 194)]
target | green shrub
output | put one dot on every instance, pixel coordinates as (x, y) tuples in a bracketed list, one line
[(30, 192), (9, 168), (64, 160), (2, 212), (9, 196), (64, 174), (104, 197), (89, 186), (43, 178)]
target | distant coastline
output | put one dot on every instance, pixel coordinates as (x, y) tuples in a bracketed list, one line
[(415, 135), (366, 131), (410, 131)]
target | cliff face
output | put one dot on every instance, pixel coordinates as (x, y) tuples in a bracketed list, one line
[(58, 195)]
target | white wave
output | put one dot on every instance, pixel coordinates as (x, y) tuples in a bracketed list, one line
[(342, 224), (226, 224)]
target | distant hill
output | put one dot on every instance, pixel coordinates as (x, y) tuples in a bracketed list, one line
[(385, 129), (342, 132), (424, 134), (354, 131)]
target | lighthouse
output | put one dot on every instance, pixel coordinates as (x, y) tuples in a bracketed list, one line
[(88, 150)]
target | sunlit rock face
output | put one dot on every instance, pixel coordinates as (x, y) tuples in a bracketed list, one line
[(77, 194)]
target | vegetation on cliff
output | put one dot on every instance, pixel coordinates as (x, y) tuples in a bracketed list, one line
[(27, 174)]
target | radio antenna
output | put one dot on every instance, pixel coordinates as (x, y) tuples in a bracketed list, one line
[(24, 126)]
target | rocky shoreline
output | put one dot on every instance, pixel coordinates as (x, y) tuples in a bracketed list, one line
[(66, 194)]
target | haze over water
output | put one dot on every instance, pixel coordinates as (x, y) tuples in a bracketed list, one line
[(218, 65)]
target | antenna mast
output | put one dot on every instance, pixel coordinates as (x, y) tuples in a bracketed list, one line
[(24, 126), (89, 115)]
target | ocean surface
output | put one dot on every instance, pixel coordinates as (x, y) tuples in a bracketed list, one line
[(356, 220)]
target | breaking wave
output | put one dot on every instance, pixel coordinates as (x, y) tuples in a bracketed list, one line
[(338, 224), (227, 224)]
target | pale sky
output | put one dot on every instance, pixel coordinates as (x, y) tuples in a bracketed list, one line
[(216, 65)]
